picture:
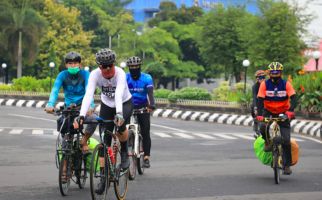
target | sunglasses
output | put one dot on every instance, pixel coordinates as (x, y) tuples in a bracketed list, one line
[(107, 66), (260, 77), (275, 72)]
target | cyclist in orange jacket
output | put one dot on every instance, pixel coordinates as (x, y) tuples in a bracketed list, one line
[(277, 96)]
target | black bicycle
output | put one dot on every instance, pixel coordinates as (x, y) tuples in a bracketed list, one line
[(276, 141), (112, 171), (70, 160)]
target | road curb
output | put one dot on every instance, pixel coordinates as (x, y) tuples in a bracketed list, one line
[(306, 127)]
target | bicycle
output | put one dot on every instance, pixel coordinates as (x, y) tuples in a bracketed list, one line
[(276, 141), (112, 171), (69, 157), (136, 153)]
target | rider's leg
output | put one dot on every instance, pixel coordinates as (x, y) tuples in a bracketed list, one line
[(286, 135), (144, 121), (90, 129), (123, 134)]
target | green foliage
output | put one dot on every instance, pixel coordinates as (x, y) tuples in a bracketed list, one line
[(64, 34), (5, 87), (233, 94), (162, 93), (309, 90), (28, 83), (192, 93)]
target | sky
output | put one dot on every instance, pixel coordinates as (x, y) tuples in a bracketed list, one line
[(315, 27)]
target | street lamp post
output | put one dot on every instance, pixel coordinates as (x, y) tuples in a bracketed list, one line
[(316, 56), (245, 64), (51, 65), (123, 65), (5, 76)]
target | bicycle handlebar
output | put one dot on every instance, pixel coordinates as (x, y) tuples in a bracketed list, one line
[(280, 118), (141, 111)]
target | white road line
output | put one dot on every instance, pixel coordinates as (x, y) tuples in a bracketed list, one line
[(31, 117), (1, 130), (167, 127), (225, 136), (1, 100), (163, 135), (16, 131), (183, 135), (245, 137), (27, 128), (309, 138), (37, 132), (204, 136), (297, 139)]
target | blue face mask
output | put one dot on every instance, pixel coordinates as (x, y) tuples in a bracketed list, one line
[(73, 70)]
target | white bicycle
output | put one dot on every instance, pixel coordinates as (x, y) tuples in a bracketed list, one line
[(136, 153)]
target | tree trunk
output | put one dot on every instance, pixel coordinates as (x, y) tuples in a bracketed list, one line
[(19, 67)]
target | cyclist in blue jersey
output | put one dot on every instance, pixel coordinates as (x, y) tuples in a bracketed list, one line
[(74, 81), (141, 87)]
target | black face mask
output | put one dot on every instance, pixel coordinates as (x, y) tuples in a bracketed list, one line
[(135, 73), (275, 79)]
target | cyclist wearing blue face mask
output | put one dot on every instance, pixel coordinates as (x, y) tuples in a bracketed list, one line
[(74, 81)]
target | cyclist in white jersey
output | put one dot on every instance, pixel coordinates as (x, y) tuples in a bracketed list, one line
[(116, 103)]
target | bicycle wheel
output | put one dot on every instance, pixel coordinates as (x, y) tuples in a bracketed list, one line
[(64, 175), (276, 167), (121, 178), (132, 156), (98, 175), (58, 154), (140, 160), (81, 171)]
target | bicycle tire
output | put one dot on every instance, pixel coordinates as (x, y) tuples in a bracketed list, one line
[(64, 186), (132, 156), (96, 174), (140, 160), (276, 168), (121, 180), (81, 172)]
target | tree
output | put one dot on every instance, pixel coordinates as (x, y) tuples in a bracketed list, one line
[(221, 40), (21, 26), (64, 34), (278, 36)]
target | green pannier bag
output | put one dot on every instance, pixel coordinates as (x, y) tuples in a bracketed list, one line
[(92, 143), (265, 157)]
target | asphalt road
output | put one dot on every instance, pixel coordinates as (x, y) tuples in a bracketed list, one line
[(190, 160)]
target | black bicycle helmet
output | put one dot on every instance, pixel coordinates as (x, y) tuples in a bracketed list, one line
[(105, 57), (73, 57), (134, 60)]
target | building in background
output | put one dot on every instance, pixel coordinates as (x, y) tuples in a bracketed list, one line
[(145, 9)]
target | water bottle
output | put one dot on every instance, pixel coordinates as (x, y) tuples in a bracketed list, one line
[(111, 154)]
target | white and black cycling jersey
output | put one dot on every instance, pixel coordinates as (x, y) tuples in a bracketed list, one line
[(114, 91)]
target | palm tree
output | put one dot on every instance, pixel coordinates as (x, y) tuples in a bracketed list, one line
[(20, 25)]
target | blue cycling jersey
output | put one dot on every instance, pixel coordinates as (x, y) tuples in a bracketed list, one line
[(139, 89), (74, 88)]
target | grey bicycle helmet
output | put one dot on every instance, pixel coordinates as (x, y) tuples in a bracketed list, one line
[(73, 57), (134, 60), (105, 57)]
